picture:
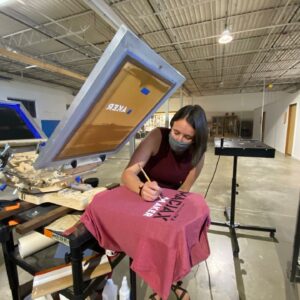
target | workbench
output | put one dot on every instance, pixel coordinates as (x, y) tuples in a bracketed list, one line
[(79, 240)]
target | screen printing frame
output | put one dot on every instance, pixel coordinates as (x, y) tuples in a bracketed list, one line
[(39, 136), (124, 47)]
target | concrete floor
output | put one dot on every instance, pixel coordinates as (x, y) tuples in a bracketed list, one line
[(268, 196)]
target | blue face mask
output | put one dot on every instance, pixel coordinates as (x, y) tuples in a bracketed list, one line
[(176, 146)]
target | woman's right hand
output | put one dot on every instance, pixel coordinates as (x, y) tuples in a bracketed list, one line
[(150, 191)]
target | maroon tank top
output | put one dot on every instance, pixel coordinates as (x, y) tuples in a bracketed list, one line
[(166, 167)]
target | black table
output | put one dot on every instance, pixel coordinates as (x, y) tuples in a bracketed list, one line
[(244, 148)]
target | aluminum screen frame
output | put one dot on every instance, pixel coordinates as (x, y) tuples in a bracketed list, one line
[(124, 45)]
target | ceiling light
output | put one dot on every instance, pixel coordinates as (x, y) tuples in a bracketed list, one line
[(31, 66), (10, 49), (6, 2), (225, 37), (3, 2)]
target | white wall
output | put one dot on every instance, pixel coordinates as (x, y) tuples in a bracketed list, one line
[(276, 123), (243, 115), (248, 106), (51, 105), (50, 101), (221, 104)]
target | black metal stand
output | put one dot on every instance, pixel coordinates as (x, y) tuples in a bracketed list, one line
[(295, 268), (230, 215)]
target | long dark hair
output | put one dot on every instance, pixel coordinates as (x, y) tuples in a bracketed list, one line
[(195, 116)]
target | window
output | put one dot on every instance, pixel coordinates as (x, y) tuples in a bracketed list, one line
[(28, 104)]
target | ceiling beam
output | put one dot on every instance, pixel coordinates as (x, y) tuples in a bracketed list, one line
[(245, 65), (231, 54), (102, 9), (46, 31), (245, 73), (68, 18), (30, 61)]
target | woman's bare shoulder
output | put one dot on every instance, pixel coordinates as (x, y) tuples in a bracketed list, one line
[(155, 133), (153, 140)]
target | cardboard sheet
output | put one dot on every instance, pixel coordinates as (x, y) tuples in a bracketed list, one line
[(67, 197)]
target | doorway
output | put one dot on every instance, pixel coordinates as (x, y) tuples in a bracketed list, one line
[(290, 129)]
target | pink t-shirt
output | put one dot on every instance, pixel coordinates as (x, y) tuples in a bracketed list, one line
[(165, 238)]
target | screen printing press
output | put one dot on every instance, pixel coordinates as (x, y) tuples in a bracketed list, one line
[(244, 148), (125, 88)]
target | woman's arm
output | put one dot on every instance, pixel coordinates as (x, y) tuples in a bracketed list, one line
[(147, 148), (192, 176)]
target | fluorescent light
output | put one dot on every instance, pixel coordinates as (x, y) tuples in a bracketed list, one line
[(31, 66), (6, 2), (10, 49), (3, 2), (225, 37)]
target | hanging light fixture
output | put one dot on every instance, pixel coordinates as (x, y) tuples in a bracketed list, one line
[(8, 2), (3, 2), (225, 37)]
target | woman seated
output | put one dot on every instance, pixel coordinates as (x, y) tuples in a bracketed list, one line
[(171, 158)]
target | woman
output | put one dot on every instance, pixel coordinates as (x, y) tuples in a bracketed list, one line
[(171, 158)]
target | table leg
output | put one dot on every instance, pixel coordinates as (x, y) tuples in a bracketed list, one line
[(76, 260), (132, 282), (11, 267), (230, 215)]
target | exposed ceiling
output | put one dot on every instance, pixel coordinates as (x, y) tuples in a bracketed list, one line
[(64, 39)]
